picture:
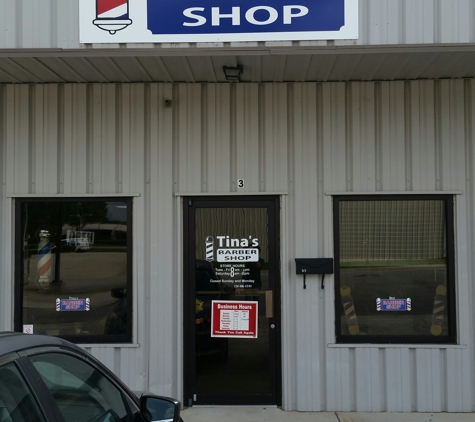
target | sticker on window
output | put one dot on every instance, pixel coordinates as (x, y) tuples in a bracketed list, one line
[(234, 319), (73, 304), (393, 304), (232, 250), (28, 328)]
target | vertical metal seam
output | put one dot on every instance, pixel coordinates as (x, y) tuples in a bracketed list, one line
[(233, 139), (205, 106), (31, 136), (60, 138), (438, 135), (349, 135), (119, 136), (262, 93), (408, 144)]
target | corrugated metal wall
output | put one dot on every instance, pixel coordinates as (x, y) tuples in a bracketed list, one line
[(55, 24), (306, 140)]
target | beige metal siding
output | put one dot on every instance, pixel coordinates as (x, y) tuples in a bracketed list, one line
[(55, 24), (305, 139)]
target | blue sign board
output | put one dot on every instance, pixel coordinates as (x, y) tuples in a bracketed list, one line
[(393, 304), (72, 305), (245, 16), (135, 21)]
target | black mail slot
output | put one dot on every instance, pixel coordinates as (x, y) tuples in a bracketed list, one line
[(314, 265)]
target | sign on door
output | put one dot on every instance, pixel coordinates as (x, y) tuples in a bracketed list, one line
[(234, 319)]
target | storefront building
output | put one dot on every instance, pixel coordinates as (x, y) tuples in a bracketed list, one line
[(301, 237)]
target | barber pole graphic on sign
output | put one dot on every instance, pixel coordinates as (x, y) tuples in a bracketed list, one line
[(112, 15)]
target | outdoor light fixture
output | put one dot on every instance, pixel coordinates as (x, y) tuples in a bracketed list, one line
[(232, 74)]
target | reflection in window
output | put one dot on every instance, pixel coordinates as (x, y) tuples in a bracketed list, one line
[(75, 271), (393, 276)]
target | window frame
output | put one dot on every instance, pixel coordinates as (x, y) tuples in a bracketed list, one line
[(451, 338), (126, 338)]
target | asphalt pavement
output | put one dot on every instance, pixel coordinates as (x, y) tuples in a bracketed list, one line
[(274, 414)]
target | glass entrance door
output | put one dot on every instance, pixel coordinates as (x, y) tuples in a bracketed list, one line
[(232, 291)]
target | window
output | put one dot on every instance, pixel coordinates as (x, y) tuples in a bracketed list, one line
[(16, 401), (394, 269), (82, 393), (73, 268)]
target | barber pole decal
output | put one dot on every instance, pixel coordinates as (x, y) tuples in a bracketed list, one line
[(209, 248), (112, 15)]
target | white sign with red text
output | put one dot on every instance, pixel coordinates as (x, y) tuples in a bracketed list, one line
[(234, 319)]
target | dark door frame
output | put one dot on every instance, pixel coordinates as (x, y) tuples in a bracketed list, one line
[(190, 204)]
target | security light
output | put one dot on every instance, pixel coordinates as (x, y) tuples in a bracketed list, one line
[(232, 74)]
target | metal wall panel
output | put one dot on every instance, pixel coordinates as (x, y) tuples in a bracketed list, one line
[(55, 24), (304, 139), (5, 252)]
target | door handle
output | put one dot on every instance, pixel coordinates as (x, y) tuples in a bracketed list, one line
[(269, 304)]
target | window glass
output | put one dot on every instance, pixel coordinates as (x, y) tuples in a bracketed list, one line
[(82, 393), (75, 271), (16, 401), (393, 275)]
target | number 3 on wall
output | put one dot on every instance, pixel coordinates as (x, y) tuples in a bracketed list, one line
[(240, 183)]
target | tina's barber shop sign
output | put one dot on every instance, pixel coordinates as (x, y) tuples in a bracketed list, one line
[(164, 21)]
